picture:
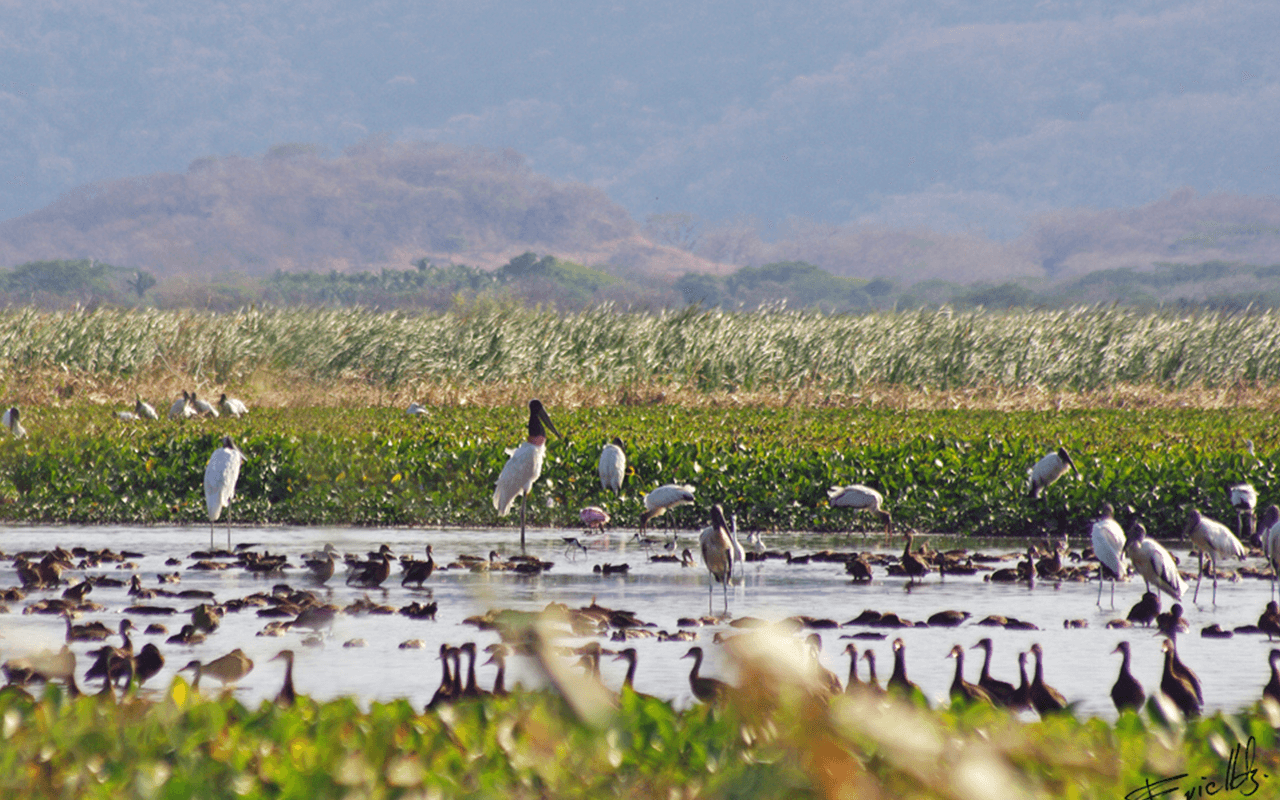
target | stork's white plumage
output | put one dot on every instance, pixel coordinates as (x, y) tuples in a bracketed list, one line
[(1244, 499), (220, 476), (181, 408), (1108, 547), (11, 422), (144, 409), (717, 555), (415, 409), (860, 498), (1153, 562), (613, 466), (664, 497), (203, 407), (524, 466), (1049, 469), (1213, 539), (231, 406), (1269, 532)]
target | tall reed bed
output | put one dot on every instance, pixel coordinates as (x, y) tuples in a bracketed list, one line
[(1083, 349)]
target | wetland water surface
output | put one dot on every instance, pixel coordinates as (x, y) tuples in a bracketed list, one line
[(1077, 661)]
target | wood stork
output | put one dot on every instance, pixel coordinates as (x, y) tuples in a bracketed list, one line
[(613, 466), (1108, 548), (181, 408), (1244, 499), (1153, 562), (1049, 469), (231, 406), (220, 476), (1127, 693), (717, 555), (202, 407), (664, 497), (11, 422), (1269, 532), (859, 498), (415, 410), (144, 409), (524, 466), (1213, 539)]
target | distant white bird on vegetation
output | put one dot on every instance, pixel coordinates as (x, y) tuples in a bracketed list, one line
[(860, 498), (11, 422), (664, 497), (1049, 469), (717, 555), (1213, 539), (220, 476), (1108, 548), (613, 466), (231, 406), (202, 407), (524, 466), (126, 416), (144, 409), (415, 409), (1244, 499), (1153, 562), (181, 408)]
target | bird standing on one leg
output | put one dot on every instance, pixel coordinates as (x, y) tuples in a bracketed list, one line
[(524, 466), (220, 476)]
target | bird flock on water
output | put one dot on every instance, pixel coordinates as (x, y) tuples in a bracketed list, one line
[(1117, 551)]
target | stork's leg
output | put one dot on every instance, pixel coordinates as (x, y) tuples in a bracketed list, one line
[(1213, 565), (1113, 594), (1199, 576), (524, 499), (1113, 587)]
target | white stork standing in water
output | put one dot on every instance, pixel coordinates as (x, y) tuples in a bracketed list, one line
[(220, 476), (860, 498), (1244, 499), (1049, 469), (664, 497), (717, 555), (613, 466), (1153, 562), (1213, 539), (1108, 547), (524, 466), (1269, 531)]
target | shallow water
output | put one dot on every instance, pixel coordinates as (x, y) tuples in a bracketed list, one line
[(1078, 662)]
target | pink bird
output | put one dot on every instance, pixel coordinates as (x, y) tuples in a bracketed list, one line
[(594, 517)]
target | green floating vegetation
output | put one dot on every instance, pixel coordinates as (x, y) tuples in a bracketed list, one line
[(711, 350), (533, 745), (948, 471)]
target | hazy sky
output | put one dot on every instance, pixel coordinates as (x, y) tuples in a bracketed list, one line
[(940, 114)]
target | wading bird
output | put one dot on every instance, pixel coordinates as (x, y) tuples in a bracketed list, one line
[(231, 406), (664, 497), (1244, 499), (181, 408), (1108, 548), (594, 518), (1215, 540), (1153, 562), (524, 466), (1269, 532), (1049, 469), (613, 466), (202, 407), (220, 476), (860, 498), (11, 422), (717, 555)]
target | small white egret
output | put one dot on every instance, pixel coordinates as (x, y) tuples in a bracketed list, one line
[(860, 498), (1244, 499), (1108, 548), (524, 466), (717, 555), (1049, 469), (11, 422), (664, 497), (231, 406), (220, 476), (1153, 562), (1213, 539), (613, 466), (202, 407), (144, 409)]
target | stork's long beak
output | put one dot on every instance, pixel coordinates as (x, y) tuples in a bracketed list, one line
[(546, 420)]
